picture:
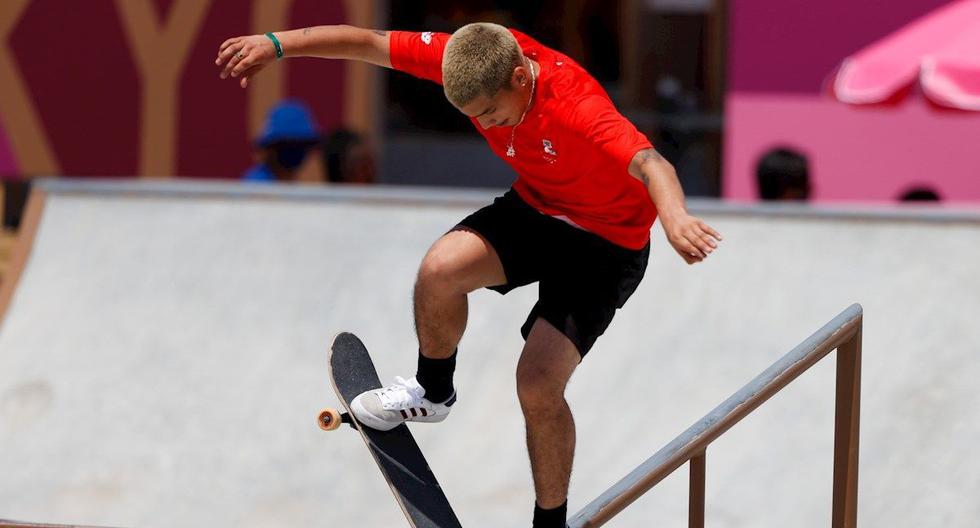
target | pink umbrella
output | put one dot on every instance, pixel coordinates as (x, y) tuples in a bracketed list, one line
[(941, 50)]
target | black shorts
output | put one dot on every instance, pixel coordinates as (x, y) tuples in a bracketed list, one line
[(582, 278)]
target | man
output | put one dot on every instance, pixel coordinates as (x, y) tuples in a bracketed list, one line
[(577, 219)]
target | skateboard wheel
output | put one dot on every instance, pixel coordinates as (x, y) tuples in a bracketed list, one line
[(329, 419)]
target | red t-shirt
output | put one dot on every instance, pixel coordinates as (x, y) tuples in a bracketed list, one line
[(573, 150)]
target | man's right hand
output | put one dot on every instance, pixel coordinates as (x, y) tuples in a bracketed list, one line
[(245, 56)]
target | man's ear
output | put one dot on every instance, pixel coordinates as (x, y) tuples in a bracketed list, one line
[(520, 77)]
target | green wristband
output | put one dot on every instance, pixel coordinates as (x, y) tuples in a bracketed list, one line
[(278, 45)]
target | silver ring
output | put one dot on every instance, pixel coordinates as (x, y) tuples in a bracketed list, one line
[(239, 55)]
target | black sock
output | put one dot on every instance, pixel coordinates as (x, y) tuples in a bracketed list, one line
[(436, 377), (554, 518)]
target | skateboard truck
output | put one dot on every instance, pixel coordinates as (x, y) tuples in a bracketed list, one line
[(330, 419)]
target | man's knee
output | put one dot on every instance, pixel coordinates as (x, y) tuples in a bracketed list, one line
[(547, 363), (458, 263), (540, 387), (439, 270)]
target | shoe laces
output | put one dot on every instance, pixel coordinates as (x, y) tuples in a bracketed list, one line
[(401, 395)]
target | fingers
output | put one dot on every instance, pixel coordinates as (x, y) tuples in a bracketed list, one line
[(702, 240), (248, 61), (227, 50), (694, 240), (708, 229), (237, 56), (702, 236), (227, 43), (247, 75), (243, 57), (689, 257), (231, 56), (687, 249)]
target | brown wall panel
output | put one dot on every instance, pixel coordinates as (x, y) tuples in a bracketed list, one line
[(129, 87)]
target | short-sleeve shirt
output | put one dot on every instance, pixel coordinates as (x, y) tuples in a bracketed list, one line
[(573, 149)]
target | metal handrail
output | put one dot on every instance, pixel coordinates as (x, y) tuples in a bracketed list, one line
[(842, 333)]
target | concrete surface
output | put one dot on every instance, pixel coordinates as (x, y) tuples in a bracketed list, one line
[(164, 358)]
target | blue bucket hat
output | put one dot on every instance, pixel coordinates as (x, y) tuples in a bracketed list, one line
[(289, 121)]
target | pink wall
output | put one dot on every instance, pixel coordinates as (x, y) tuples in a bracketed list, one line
[(792, 45), (854, 153), (781, 51)]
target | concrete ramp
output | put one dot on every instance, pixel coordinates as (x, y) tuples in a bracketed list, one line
[(163, 358)]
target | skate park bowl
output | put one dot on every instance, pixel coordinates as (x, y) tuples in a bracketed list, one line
[(163, 359)]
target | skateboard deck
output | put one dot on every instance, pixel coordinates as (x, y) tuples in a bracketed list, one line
[(396, 452)]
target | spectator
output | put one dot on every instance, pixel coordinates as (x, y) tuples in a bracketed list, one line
[(920, 194), (348, 158), (15, 193), (783, 174), (290, 133)]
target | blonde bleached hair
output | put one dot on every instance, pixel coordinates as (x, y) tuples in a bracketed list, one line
[(479, 59)]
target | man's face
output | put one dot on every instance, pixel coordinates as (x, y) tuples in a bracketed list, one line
[(504, 108)]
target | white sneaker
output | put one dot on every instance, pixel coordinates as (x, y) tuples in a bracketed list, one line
[(403, 401)]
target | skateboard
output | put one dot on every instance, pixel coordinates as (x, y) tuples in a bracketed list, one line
[(396, 452)]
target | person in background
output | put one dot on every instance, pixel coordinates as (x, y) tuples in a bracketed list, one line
[(920, 194), (348, 158), (290, 133), (783, 174), (13, 200)]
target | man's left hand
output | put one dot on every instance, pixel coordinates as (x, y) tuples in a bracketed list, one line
[(692, 239)]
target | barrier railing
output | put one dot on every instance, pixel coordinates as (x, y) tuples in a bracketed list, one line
[(18, 524), (842, 333)]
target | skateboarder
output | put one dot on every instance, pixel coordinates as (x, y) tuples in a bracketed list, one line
[(577, 219)]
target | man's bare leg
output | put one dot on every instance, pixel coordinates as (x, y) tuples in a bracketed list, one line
[(546, 365), (460, 262)]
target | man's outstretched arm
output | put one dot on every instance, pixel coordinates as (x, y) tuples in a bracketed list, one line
[(243, 57), (693, 239)]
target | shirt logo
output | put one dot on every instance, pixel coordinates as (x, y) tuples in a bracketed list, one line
[(427, 37), (550, 155), (548, 147)]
